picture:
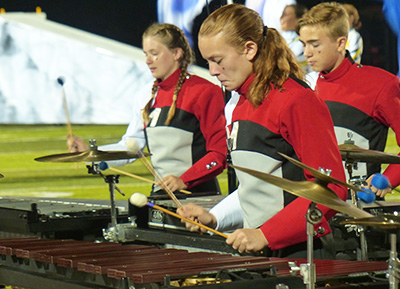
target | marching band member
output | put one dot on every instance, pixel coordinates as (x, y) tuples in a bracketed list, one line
[(290, 16), (184, 124), (276, 112), (362, 100)]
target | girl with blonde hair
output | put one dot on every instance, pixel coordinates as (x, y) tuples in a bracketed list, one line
[(183, 121)]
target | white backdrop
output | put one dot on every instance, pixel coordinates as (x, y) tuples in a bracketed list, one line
[(101, 76)]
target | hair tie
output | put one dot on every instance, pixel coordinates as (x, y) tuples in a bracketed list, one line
[(265, 31)]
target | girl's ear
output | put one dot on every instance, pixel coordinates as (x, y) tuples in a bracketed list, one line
[(178, 53), (251, 49)]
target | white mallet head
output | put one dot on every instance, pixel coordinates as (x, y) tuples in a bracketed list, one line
[(138, 200), (132, 145)]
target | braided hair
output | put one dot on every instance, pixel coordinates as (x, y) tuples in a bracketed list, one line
[(172, 37)]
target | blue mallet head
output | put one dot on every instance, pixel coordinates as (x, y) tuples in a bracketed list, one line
[(366, 195), (380, 182), (103, 166)]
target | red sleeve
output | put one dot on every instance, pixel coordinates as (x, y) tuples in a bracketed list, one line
[(306, 124), (209, 110), (387, 112)]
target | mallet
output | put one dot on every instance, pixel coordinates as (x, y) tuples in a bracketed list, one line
[(140, 200), (104, 166), (132, 145)]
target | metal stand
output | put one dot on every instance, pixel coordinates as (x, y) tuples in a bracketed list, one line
[(314, 216), (350, 165), (111, 180), (363, 243), (360, 230), (393, 263), (357, 181)]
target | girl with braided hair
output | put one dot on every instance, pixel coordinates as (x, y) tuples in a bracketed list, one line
[(183, 122), (276, 112), (172, 37)]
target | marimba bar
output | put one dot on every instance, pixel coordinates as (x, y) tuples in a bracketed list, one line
[(111, 265)]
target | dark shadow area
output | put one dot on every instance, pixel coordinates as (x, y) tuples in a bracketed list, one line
[(125, 21)]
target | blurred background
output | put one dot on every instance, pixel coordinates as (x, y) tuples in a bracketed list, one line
[(89, 52), (125, 21)]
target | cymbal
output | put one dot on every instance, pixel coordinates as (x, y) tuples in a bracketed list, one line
[(389, 222), (355, 153), (319, 175), (309, 190), (92, 155)]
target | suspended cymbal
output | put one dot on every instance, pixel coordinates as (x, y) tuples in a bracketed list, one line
[(389, 222), (312, 191), (354, 153), (319, 175), (89, 156)]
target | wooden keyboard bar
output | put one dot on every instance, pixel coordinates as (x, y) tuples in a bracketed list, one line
[(142, 264)]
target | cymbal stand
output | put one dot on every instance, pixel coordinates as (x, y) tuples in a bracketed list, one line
[(393, 269), (350, 165), (360, 230), (111, 180), (313, 216)]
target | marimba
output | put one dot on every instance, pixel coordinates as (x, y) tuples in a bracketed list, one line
[(50, 263)]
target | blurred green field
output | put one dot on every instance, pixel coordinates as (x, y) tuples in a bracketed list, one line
[(21, 144), (23, 176)]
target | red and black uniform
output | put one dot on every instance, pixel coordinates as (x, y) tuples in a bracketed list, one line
[(193, 145), (363, 101), (294, 122)]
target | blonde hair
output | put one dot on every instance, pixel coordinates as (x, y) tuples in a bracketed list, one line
[(352, 11), (172, 37), (274, 62), (331, 16)]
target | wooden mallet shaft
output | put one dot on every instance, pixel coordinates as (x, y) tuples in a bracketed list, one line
[(132, 145), (65, 105), (141, 178), (185, 219), (159, 179)]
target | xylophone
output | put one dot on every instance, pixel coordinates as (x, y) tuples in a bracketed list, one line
[(56, 218), (51, 263), (154, 226)]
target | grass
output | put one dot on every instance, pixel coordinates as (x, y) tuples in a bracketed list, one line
[(23, 176)]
